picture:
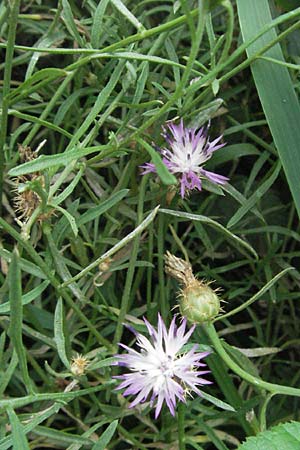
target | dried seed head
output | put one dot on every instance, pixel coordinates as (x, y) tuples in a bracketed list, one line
[(26, 154), (179, 269), (25, 201), (199, 302), (79, 364)]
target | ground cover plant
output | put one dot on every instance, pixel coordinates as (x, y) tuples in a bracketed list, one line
[(150, 201)]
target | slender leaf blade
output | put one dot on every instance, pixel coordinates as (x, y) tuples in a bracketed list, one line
[(19, 440), (275, 90), (106, 436)]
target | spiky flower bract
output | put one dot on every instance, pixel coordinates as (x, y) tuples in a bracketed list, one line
[(189, 149), (160, 369)]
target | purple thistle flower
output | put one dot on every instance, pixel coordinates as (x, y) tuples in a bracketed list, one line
[(160, 367), (189, 149)]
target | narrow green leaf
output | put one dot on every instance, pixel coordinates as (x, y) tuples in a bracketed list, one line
[(19, 402), (258, 351), (44, 162), (99, 103), (25, 265), (36, 419), (68, 216), (61, 267), (258, 294), (251, 201), (104, 363), (46, 42), (68, 18), (26, 298), (97, 23), (61, 436), (275, 89), (44, 123), (16, 319), (126, 13), (19, 440), (39, 79), (215, 401), (162, 171), (142, 226), (213, 223), (70, 188), (96, 211), (106, 436), (59, 333), (8, 373), (68, 103)]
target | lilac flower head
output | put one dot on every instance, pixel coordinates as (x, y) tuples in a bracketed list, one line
[(189, 149), (160, 368)]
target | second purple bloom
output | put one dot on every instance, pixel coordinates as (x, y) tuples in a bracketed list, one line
[(188, 150)]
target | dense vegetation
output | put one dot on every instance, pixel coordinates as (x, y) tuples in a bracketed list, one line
[(87, 89)]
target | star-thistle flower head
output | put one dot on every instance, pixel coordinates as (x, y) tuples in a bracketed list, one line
[(188, 150), (160, 369)]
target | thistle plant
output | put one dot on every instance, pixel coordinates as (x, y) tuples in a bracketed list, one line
[(113, 86)]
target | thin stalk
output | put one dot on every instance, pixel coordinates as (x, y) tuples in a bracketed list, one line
[(120, 44), (181, 414), (12, 24), (164, 304), (270, 387), (229, 29)]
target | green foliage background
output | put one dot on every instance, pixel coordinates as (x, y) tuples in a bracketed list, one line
[(97, 80)]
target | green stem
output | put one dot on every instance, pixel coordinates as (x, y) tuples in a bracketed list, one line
[(270, 387), (189, 67), (181, 414), (12, 24), (120, 44), (164, 304), (229, 29)]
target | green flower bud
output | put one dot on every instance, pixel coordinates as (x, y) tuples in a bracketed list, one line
[(199, 303)]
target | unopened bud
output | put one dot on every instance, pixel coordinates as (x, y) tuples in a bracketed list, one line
[(79, 364), (199, 303)]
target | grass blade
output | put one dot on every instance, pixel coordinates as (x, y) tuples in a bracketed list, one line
[(275, 90)]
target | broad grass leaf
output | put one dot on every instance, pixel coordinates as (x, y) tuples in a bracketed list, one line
[(275, 89)]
